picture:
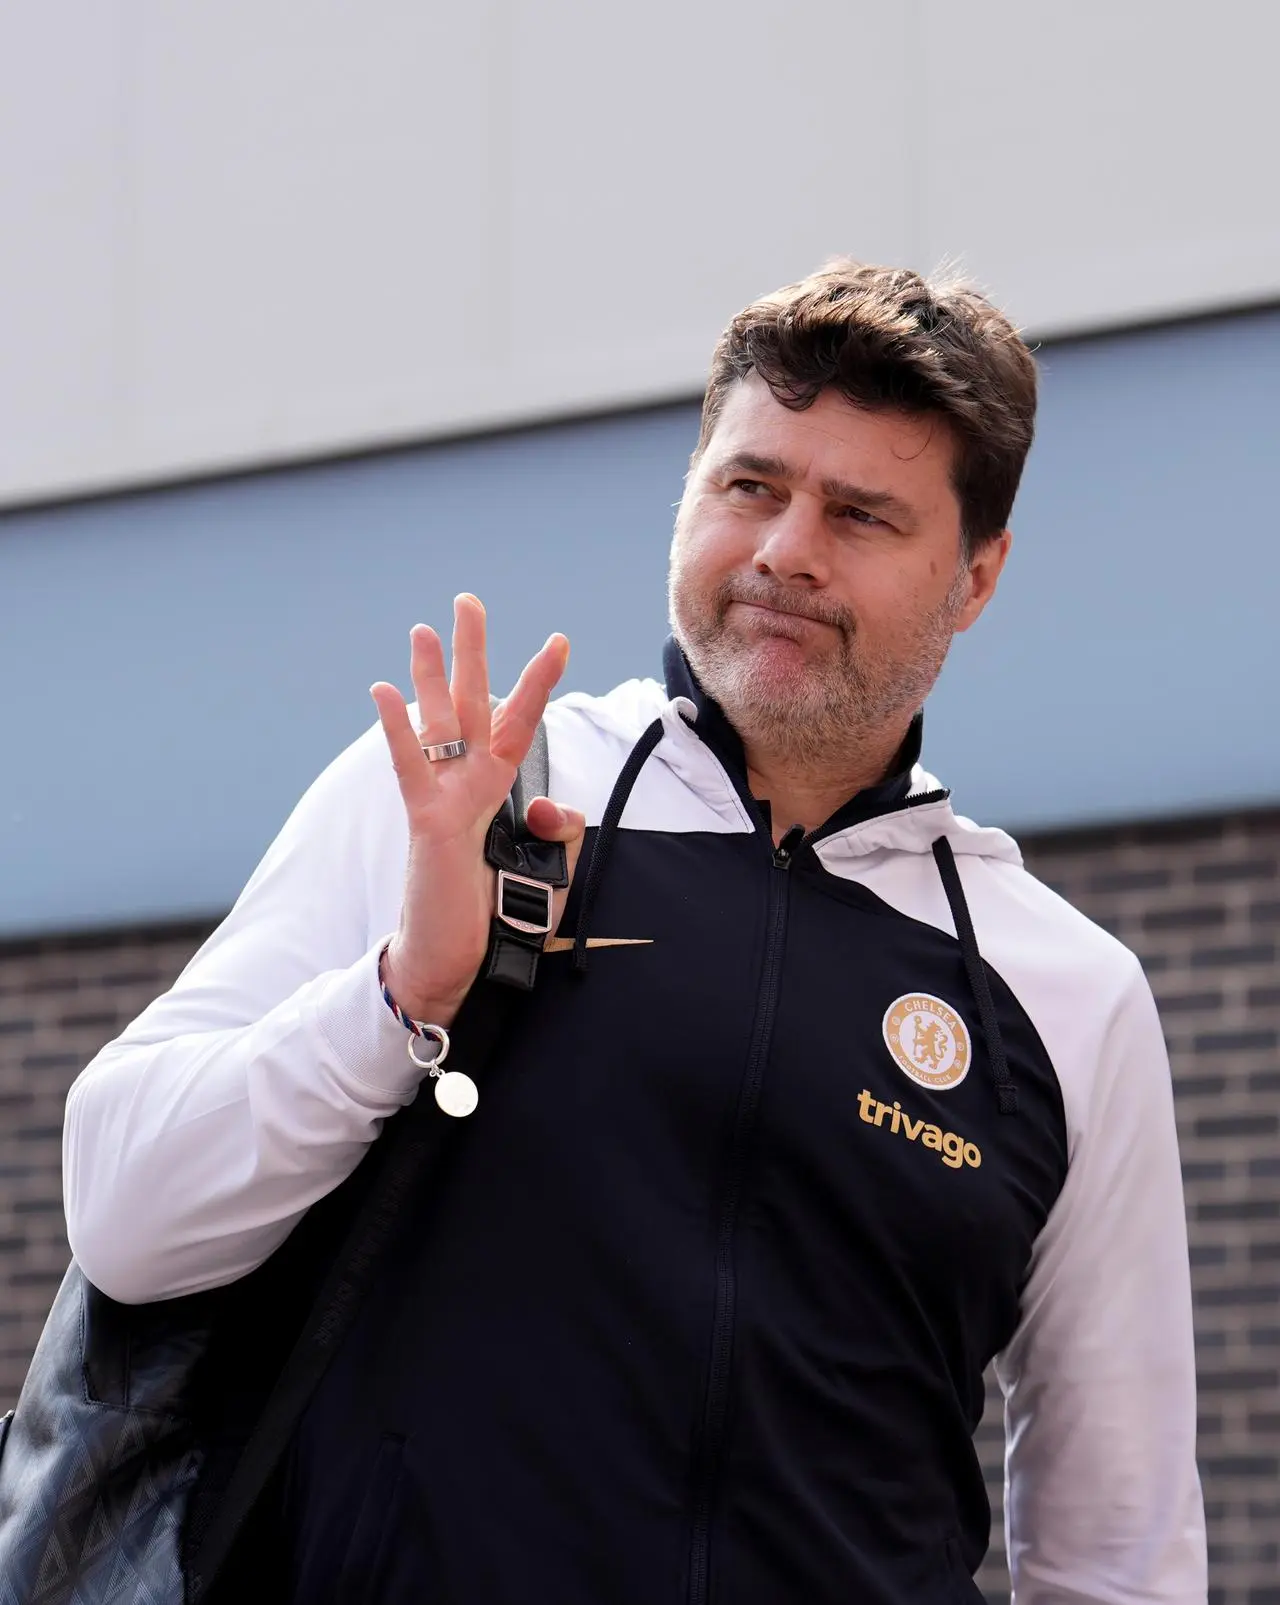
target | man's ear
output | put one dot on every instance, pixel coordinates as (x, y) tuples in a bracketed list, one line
[(984, 575)]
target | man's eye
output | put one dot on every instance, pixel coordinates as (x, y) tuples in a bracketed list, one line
[(748, 487), (858, 515)]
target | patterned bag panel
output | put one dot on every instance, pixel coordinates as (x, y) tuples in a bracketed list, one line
[(99, 1457)]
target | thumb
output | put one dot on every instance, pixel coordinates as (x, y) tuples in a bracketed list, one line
[(554, 823)]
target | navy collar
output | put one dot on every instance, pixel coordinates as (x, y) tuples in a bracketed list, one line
[(713, 727)]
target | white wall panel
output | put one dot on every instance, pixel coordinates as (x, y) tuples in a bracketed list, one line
[(256, 230), (672, 161), (64, 328), (1104, 161)]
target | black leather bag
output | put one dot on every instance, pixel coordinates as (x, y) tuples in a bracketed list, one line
[(144, 1436)]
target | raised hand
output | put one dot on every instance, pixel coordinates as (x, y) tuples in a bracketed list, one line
[(449, 889)]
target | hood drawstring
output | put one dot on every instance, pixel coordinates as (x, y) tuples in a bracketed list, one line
[(618, 798), (976, 970)]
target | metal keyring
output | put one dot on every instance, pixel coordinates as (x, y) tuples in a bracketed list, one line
[(432, 1064)]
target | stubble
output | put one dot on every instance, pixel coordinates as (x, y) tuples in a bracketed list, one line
[(828, 710)]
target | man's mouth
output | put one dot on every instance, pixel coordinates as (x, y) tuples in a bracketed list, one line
[(781, 617)]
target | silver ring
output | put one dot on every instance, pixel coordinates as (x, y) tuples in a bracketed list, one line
[(444, 749)]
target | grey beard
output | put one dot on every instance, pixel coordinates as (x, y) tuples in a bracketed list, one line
[(826, 720)]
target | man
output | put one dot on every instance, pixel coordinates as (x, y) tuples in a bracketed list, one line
[(831, 1105)]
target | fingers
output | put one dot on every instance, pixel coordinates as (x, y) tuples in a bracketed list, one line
[(516, 719), (469, 687), (426, 666), (552, 822), (412, 771), (447, 710)]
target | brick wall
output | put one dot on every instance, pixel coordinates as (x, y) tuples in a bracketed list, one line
[(1199, 902)]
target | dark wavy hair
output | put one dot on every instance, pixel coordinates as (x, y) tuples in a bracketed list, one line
[(885, 337)]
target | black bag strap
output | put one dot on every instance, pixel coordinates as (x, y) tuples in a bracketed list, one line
[(533, 778), (528, 872), (402, 1155)]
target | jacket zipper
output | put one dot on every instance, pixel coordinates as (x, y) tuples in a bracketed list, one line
[(707, 1451)]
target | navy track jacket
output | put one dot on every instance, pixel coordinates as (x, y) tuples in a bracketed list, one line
[(700, 1300)]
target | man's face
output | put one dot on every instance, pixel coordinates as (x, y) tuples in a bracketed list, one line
[(816, 572)]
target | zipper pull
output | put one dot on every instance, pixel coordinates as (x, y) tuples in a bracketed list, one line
[(788, 847)]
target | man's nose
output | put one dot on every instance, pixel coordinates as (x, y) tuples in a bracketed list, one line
[(794, 546)]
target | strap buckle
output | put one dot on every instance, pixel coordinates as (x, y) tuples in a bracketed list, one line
[(524, 904)]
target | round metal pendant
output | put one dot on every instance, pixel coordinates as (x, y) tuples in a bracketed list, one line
[(456, 1093)]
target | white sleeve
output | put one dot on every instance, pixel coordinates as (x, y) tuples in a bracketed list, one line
[(197, 1139), (1102, 1496)]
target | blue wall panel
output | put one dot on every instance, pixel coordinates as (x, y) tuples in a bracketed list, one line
[(177, 665), (1131, 662)]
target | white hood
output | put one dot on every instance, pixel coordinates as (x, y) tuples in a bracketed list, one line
[(629, 708)]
